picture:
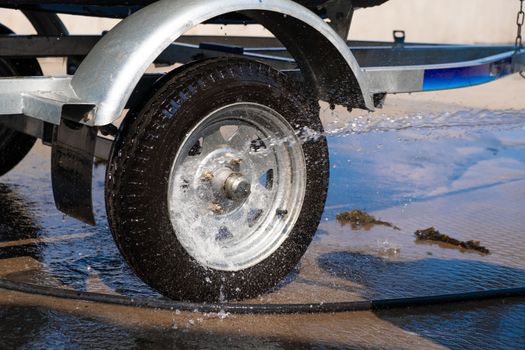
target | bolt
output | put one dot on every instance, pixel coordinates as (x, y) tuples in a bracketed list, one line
[(86, 117), (216, 208)]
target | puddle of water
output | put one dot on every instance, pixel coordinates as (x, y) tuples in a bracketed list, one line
[(381, 169), (494, 325), (34, 328)]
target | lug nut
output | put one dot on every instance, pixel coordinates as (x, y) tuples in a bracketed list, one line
[(207, 176), (235, 163), (216, 208)]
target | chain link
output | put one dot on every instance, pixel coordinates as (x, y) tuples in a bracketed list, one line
[(519, 22)]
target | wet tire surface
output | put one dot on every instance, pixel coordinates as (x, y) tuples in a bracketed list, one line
[(142, 159)]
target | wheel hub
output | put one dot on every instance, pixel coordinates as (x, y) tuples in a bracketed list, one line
[(224, 180), (230, 184), (237, 187)]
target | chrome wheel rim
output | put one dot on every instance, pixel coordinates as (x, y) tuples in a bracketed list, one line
[(237, 186)]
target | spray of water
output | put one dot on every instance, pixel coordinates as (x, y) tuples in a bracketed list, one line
[(468, 118)]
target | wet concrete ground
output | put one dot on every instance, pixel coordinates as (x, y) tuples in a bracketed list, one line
[(462, 172)]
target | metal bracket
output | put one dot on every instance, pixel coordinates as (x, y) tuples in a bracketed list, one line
[(72, 155), (399, 37)]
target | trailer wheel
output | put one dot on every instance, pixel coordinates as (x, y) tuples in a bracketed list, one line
[(14, 145), (216, 185)]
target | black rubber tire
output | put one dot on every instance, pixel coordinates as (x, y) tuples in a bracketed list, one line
[(14, 145), (140, 164)]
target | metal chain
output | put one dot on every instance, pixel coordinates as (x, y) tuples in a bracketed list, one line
[(519, 22)]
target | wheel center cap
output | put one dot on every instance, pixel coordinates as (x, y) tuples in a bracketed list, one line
[(233, 185)]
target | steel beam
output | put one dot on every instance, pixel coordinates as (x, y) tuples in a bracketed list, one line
[(43, 98), (415, 78)]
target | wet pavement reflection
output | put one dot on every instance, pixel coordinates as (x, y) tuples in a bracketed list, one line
[(466, 179), (45, 329)]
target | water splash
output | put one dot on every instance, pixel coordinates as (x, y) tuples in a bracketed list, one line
[(468, 118)]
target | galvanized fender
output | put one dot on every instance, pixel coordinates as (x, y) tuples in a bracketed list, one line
[(111, 71)]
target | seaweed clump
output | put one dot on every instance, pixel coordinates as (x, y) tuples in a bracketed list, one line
[(433, 235), (359, 219)]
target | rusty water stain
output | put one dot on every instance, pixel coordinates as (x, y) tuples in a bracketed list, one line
[(432, 235), (361, 220)]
